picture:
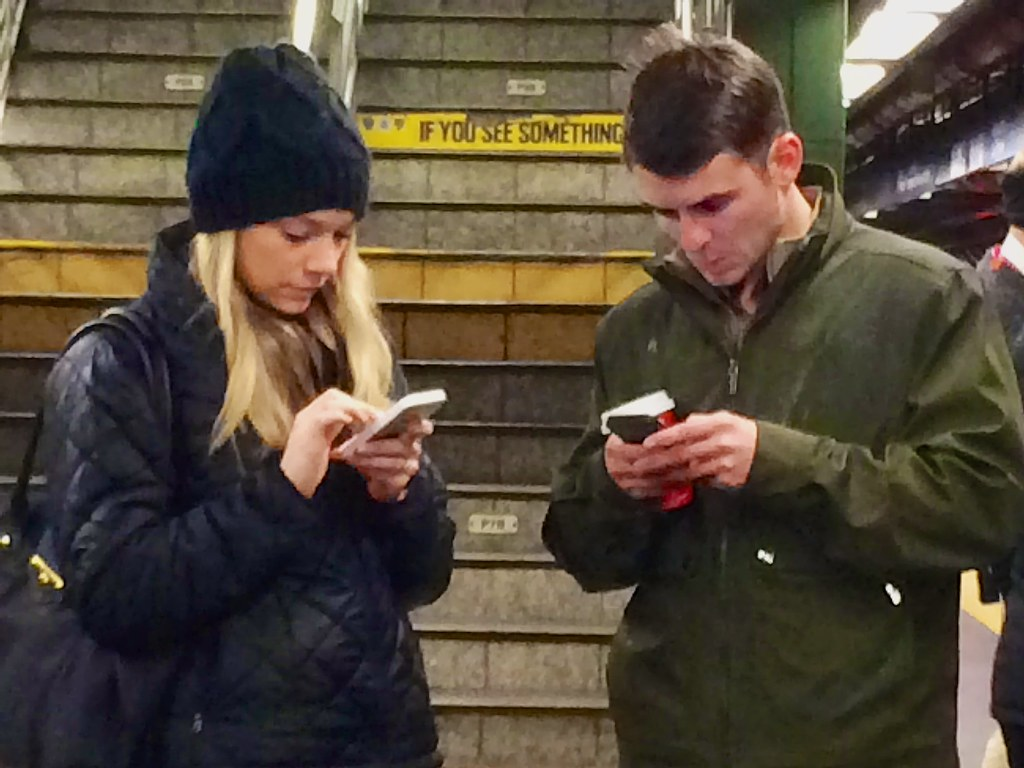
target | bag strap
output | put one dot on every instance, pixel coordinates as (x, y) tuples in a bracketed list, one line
[(130, 323)]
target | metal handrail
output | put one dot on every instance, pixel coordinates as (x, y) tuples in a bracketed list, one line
[(347, 16), (696, 15), (11, 14)]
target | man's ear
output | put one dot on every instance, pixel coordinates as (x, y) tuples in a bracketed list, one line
[(785, 159)]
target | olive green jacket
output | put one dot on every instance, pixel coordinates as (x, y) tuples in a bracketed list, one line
[(809, 619)]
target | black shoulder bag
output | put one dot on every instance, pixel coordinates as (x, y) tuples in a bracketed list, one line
[(65, 701)]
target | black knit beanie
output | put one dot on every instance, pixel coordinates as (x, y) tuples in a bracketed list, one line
[(273, 140), (1013, 197)]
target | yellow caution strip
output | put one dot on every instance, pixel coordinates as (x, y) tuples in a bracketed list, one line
[(399, 274), (596, 134), (989, 614)]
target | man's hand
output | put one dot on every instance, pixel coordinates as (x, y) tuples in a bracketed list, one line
[(715, 448), (389, 464), (620, 459)]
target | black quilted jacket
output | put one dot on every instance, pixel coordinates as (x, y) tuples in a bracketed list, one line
[(300, 652)]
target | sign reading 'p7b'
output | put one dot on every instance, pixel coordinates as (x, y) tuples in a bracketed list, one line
[(458, 132)]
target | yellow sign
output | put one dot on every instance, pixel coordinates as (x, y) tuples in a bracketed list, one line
[(459, 132)]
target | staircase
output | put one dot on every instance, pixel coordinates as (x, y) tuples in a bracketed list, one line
[(493, 262)]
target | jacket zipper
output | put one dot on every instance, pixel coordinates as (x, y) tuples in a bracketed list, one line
[(734, 375), (733, 381)]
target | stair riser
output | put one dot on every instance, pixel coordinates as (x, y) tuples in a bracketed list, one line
[(117, 81), (457, 334), (401, 86), (495, 40), (520, 395), (473, 740), (202, 36), (530, 596), (167, 128), (623, 10), (473, 456), (397, 226), (438, 181), (464, 455), (279, 7), (515, 668), (545, 231), (494, 526)]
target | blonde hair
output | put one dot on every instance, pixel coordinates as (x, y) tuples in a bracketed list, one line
[(275, 364)]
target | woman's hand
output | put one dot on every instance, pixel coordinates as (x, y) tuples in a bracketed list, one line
[(389, 464), (314, 432)]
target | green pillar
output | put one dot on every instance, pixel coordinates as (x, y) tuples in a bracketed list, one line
[(805, 40)]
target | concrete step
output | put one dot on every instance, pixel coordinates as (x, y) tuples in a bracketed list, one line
[(466, 452), (439, 85), (533, 596), (125, 222), (512, 667), (166, 129), (146, 34), (421, 182), (128, 221), (586, 228), (584, 40), (554, 393), (420, 329), (392, 136), (557, 393), (32, 124), (507, 454), (650, 11), (495, 524), (474, 737), (108, 79), (57, 174), (22, 378), (163, 7), (36, 267), (524, 181)]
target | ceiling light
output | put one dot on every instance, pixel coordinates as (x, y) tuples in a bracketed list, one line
[(305, 20), (889, 36), (871, 215), (858, 79)]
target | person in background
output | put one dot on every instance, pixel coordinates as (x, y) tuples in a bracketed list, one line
[(1002, 274), (240, 534), (851, 423)]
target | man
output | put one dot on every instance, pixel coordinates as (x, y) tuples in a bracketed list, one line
[(854, 433), (1002, 275)]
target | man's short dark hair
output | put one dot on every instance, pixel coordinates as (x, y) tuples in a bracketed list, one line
[(694, 99)]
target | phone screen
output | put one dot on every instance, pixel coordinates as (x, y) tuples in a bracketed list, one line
[(633, 429)]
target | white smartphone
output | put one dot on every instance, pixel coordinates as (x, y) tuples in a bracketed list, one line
[(392, 422)]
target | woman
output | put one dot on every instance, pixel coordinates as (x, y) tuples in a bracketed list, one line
[(241, 536)]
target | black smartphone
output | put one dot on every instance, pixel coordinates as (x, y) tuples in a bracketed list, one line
[(633, 428)]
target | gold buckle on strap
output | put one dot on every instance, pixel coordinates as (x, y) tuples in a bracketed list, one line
[(48, 577)]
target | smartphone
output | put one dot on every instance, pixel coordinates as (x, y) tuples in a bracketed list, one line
[(393, 421), (636, 420), (633, 428)]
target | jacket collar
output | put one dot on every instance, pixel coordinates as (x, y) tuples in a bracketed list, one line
[(185, 319), (173, 293)]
